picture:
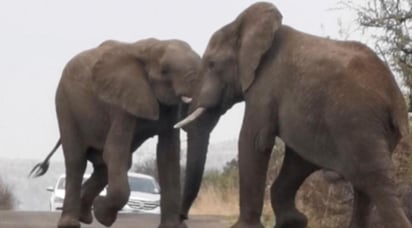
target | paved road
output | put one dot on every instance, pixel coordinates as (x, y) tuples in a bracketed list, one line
[(19, 219)]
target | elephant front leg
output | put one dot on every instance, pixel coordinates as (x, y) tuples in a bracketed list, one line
[(255, 145), (93, 186), (168, 159), (117, 156)]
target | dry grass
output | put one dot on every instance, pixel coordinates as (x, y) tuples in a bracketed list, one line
[(213, 201), (326, 204)]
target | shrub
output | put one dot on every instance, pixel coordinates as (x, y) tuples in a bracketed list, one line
[(219, 192), (7, 199)]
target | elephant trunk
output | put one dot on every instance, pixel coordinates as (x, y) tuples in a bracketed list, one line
[(196, 158), (197, 145), (209, 97)]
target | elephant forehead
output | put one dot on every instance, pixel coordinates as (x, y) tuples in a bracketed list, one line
[(180, 59)]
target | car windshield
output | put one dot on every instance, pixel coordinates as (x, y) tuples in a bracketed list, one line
[(61, 183), (139, 184)]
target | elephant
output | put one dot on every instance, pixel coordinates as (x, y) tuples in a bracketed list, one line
[(335, 105), (112, 98)]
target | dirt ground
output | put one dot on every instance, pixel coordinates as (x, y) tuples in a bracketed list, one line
[(13, 219)]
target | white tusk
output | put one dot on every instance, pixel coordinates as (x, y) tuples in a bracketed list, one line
[(186, 100), (190, 118)]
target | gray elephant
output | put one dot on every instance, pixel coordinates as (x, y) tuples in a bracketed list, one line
[(109, 101), (334, 103)]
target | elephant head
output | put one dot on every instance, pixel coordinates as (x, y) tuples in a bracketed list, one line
[(138, 76), (232, 57), (227, 72)]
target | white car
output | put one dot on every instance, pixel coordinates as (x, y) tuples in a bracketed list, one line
[(144, 194)]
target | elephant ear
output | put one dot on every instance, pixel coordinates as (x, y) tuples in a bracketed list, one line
[(258, 25), (119, 78)]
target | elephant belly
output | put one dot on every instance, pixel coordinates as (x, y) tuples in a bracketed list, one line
[(310, 136), (318, 149)]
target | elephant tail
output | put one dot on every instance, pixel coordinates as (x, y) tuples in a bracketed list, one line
[(42, 167)]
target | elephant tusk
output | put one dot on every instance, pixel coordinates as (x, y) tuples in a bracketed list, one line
[(186, 100), (190, 118)]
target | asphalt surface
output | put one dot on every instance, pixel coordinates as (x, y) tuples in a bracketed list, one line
[(26, 219)]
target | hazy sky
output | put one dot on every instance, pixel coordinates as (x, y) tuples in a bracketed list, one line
[(37, 38)]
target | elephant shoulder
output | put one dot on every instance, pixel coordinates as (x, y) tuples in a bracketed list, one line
[(80, 66)]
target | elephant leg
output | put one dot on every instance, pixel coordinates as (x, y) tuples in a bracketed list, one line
[(255, 145), (383, 195), (375, 178), (93, 186), (75, 162), (361, 210), (168, 164), (293, 173), (117, 156)]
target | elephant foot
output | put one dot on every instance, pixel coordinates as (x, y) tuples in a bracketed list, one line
[(103, 213), (173, 225), (183, 216), (295, 220), (86, 217), (67, 221), (240, 224)]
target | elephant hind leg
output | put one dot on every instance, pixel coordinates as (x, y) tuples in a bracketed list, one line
[(93, 186), (75, 162), (283, 191), (361, 210), (375, 178), (383, 195)]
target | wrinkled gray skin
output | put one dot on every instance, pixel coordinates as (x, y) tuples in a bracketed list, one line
[(109, 101), (334, 104)]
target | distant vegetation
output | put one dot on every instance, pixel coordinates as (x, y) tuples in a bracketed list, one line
[(7, 199), (386, 26)]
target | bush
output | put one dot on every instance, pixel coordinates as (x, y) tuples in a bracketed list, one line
[(219, 192), (7, 199), (223, 180)]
